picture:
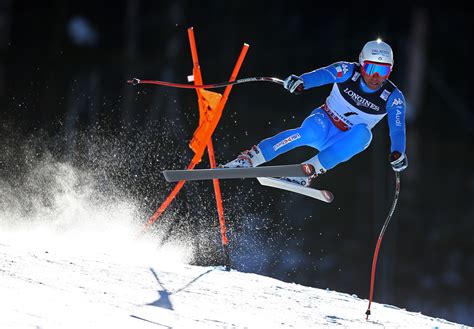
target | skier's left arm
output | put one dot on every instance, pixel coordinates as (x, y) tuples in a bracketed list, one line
[(396, 107)]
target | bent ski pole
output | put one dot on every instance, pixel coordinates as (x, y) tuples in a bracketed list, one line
[(379, 240), (136, 81)]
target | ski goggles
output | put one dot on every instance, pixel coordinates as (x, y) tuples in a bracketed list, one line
[(371, 69)]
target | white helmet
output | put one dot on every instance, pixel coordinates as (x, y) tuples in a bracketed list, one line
[(376, 51)]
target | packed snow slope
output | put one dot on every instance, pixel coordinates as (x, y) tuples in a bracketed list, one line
[(73, 255), (111, 277)]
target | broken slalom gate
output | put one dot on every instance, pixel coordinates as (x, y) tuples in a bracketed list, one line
[(211, 105)]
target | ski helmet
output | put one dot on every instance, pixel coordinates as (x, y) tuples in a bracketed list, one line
[(376, 51)]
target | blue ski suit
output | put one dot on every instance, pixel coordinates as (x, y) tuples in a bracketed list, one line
[(341, 127)]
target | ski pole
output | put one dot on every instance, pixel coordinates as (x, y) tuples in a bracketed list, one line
[(379, 241), (136, 81)]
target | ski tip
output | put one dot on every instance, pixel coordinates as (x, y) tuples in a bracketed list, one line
[(328, 196)]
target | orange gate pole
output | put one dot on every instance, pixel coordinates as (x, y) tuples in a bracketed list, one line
[(168, 200), (211, 106), (213, 124)]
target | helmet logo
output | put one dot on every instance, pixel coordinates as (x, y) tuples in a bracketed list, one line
[(376, 51)]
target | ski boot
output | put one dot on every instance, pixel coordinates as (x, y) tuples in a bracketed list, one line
[(307, 180), (246, 159)]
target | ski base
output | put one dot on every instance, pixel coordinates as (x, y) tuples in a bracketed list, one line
[(322, 195)]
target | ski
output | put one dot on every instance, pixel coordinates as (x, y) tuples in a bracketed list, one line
[(322, 195), (295, 170)]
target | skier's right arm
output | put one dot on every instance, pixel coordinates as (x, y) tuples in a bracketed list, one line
[(337, 72)]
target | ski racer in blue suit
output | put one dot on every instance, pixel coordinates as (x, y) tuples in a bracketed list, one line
[(360, 97)]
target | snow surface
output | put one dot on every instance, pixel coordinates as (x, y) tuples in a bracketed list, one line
[(82, 279), (71, 257)]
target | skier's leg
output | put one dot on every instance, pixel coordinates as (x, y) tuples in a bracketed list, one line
[(313, 132), (348, 144), (340, 147)]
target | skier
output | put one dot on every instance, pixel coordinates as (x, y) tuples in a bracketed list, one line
[(341, 128)]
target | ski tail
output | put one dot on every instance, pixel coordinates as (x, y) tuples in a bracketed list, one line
[(322, 195)]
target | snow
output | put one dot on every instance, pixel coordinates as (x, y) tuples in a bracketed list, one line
[(72, 257), (119, 279)]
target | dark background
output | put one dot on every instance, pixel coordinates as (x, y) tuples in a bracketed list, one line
[(63, 67)]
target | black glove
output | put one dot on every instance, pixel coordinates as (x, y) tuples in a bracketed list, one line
[(294, 84), (398, 161)]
